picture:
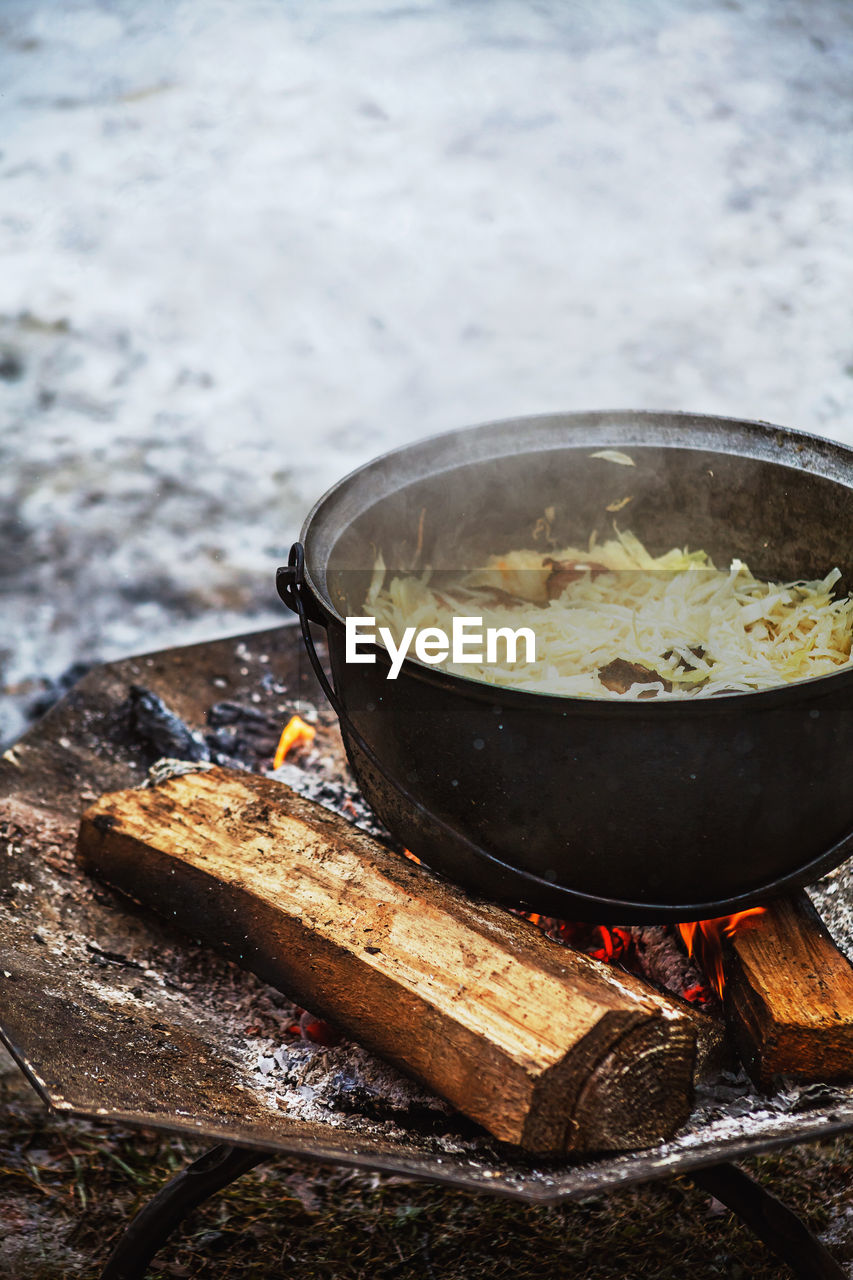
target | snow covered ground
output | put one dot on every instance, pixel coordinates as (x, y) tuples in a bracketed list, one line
[(246, 246)]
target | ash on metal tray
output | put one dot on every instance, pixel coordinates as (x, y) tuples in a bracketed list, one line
[(298, 1064)]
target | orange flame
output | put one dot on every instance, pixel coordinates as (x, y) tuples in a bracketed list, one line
[(407, 853), (296, 730), (704, 939)]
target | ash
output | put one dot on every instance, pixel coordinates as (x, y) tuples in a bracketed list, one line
[(343, 797), (833, 898), (345, 1084)]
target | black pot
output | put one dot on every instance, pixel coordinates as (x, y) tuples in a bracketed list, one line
[(599, 810)]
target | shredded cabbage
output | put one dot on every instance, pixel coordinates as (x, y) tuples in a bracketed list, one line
[(696, 630)]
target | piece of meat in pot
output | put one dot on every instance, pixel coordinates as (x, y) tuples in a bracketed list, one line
[(620, 675), (565, 571)]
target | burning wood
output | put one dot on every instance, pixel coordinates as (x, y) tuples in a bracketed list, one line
[(658, 957), (237, 735), (788, 990), (704, 939), (318, 1030), (789, 996), (542, 1045), (594, 940)]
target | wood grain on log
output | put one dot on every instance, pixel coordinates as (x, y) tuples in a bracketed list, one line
[(789, 996), (543, 1046)]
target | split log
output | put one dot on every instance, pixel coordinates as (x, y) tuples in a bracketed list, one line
[(789, 996), (545, 1047)]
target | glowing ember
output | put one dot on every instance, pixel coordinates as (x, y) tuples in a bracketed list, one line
[(294, 732), (310, 1027), (412, 857), (594, 940), (698, 994), (704, 939)]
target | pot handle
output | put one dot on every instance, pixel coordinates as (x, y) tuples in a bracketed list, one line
[(290, 585)]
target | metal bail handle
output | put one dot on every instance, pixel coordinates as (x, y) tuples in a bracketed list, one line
[(290, 584), (290, 578)]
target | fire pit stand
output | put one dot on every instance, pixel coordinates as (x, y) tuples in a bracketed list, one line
[(111, 1015), (152, 1226), (776, 1225)]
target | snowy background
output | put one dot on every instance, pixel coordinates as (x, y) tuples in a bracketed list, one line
[(245, 246)]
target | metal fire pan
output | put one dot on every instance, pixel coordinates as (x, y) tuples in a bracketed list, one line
[(113, 1015)]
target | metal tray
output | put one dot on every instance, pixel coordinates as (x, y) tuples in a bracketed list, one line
[(113, 1015)]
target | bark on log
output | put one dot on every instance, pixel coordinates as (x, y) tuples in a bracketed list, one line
[(789, 996), (657, 957), (543, 1046)]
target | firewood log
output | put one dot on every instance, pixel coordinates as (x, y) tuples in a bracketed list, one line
[(544, 1046), (789, 996)]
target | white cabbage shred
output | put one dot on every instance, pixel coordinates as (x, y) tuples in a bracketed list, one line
[(697, 630)]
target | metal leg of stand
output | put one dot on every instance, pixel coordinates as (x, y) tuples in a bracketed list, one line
[(773, 1222), (153, 1225)]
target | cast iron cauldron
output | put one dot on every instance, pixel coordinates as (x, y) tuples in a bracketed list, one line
[(598, 810)]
